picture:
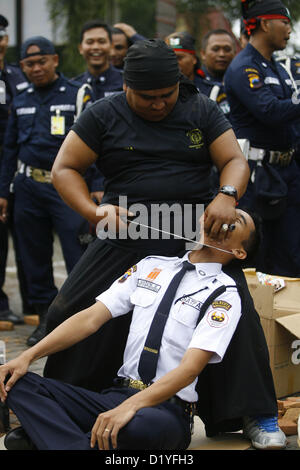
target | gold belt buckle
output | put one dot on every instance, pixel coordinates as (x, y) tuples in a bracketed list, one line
[(138, 384), (41, 176), (285, 158)]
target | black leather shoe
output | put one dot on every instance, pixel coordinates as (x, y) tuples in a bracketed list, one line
[(8, 315), (40, 331), (37, 335), (18, 439)]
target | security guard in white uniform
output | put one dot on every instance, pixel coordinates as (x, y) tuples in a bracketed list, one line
[(176, 331)]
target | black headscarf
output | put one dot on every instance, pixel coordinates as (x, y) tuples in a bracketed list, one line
[(252, 10), (150, 65)]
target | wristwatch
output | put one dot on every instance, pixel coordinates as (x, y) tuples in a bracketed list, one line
[(229, 190)]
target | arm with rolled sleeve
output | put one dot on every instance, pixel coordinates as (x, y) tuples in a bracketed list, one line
[(113, 302)]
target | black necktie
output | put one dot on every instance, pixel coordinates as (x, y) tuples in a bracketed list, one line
[(149, 357)]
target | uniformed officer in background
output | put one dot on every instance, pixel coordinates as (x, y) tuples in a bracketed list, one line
[(266, 112), (12, 82), (183, 44), (218, 50), (123, 36), (40, 118), (292, 65), (102, 78), (95, 47)]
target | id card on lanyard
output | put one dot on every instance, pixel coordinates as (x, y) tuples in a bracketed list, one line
[(57, 124)]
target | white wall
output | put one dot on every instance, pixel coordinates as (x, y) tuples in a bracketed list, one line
[(35, 20), (7, 9)]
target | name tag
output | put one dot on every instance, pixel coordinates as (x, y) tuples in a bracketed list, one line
[(62, 107), (22, 86), (148, 285), (24, 111), (192, 302), (272, 81)]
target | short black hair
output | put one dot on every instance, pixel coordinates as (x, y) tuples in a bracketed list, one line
[(217, 32), (253, 244), (95, 24)]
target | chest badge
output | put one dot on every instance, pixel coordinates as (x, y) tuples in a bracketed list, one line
[(196, 138)]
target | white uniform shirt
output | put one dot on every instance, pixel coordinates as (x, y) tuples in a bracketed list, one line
[(141, 289)]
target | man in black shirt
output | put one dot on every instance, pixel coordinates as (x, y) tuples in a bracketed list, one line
[(155, 143)]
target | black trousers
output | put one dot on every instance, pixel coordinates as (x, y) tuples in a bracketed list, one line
[(3, 258), (240, 385), (59, 416)]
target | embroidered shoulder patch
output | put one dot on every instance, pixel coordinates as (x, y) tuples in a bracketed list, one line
[(217, 318), (221, 304), (254, 81), (128, 273)]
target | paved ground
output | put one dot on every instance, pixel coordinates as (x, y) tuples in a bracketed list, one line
[(16, 342)]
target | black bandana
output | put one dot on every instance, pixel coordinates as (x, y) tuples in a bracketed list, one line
[(268, 9), (150, 65)]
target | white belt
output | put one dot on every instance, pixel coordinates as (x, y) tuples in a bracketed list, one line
[(256, 154), (275, 157)]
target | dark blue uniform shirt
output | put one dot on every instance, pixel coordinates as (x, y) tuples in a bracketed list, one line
[(28, 135), (15, 82), (260, 98), (213, 88), (108, 82)]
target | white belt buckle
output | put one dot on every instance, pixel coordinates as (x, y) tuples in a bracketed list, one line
[(245, 147)]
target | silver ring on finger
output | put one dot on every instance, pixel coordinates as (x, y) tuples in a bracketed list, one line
[(224, 227), (106, 430)]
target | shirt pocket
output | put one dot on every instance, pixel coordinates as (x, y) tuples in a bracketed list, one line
[(144, 308), (143, 297), (25, 125), (185, 314), (183, 320)]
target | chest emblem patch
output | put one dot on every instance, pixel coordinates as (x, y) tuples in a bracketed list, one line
[(196, 139)]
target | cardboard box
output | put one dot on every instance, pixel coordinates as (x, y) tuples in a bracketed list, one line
[(280, 318)]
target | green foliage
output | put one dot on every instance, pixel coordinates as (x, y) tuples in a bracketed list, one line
[(71, 14), (140, 14), (231, 7)]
